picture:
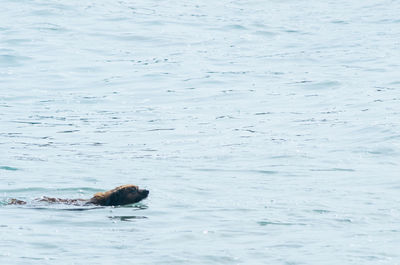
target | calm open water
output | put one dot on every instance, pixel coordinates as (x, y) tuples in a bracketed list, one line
[(268, 132)]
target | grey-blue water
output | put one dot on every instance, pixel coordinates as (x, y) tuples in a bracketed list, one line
[(268, 132)]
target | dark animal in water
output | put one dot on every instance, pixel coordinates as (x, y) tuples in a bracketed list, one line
[(122, 195)]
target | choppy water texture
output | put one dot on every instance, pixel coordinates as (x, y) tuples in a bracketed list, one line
[(266, 131)]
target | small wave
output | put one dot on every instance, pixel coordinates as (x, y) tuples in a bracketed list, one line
[(321, 211), (68, 131), (265, 223), (321, 85), (266, 172), (125, 218), (12, 60), (47, 190), (8, 168), (334, 169)]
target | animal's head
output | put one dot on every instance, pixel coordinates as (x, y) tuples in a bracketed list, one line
[(122, 195)]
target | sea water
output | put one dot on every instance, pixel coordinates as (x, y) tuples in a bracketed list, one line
[(268, 132)]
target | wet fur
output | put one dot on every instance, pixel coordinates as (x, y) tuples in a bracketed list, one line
[(122, 195)]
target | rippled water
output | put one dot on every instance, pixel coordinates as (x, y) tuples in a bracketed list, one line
[(267, 132)]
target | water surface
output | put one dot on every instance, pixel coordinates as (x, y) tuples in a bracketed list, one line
[(266, 131)]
